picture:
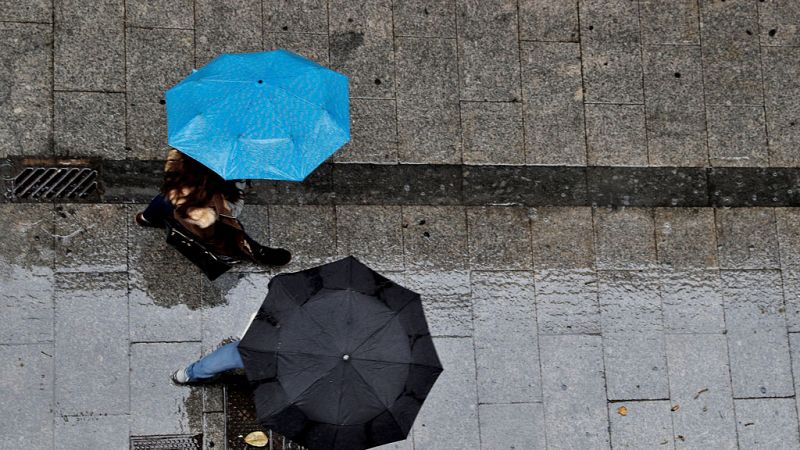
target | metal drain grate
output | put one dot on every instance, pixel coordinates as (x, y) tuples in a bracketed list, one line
[(240, 420), (168, 442), (46, 183)]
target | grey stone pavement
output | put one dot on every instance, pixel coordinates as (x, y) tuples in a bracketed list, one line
[(559, 327)]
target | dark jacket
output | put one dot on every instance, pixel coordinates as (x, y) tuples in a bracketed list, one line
[(215, 224)]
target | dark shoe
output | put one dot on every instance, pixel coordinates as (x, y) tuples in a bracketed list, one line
[(142, 222), (272, 256)]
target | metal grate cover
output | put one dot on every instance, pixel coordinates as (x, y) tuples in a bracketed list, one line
[(240, 420), (47, 183), (167, 442)]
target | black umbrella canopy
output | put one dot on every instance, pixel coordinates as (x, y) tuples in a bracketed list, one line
[(340, 356)]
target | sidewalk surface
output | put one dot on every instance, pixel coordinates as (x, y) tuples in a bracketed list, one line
[(579, 327)]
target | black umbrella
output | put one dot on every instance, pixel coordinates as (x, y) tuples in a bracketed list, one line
[(340, 357)]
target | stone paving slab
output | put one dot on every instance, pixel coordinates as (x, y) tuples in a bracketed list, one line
[(646, 424), (499, 238), (524, 185), (108, 431), (91, 238), (477, 51), (691, 301), (312, 46), (615, 135), (225, 27), (504, 309), (685, 238), (373, 234), (747, 238), (449, 417), (373, 130), (445, 299), (562, 238), (89, 124), (699, 382), (428, 119), (89, 45), (737, 136), (613, 76), (26, 396), (674, 111), (286, 15), (624, 238), (765, 193), (552, 91), (492, 132), (432, 18), (361, 45), (633, 338), (607, 24), (91, 360), (162, 293), (673, 23), (26, 267), (781, 111), (757, 335), (213, 430), (566, 302), (234, 298), (310, 229), (517, 425), (160, 13), (488, 50), (157, 60), (573, 384), (29, 11), (435, 236), (26, 125), (543, 20), (157, 405), (767, 423)]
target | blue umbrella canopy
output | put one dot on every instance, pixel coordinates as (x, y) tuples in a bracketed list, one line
[(269, 115)]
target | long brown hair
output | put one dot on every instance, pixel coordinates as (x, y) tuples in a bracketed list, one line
[(203, 183)]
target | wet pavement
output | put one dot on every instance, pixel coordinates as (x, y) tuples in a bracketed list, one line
[(596, 200), (548, 321)]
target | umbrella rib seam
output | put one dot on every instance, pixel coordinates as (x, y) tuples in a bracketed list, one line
[(381, 328)]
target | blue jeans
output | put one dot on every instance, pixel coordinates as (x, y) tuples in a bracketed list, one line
[(224, 358), (159, 209)]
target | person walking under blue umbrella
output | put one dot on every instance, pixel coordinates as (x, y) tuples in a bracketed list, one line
[(207, 206)]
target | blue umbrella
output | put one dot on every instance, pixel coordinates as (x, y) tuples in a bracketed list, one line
[(269, 115)]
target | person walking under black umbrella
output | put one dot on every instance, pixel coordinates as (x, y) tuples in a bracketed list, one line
[(208, 367), (339, 357)]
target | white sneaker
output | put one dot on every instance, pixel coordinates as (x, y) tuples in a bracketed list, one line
[(180, 376)]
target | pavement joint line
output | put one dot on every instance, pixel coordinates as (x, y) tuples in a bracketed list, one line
[(151, 27), (765, 397), (88, 91), (511, 403)]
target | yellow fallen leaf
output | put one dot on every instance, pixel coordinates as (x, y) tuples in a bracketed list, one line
[(256, 439), (623, 411)]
